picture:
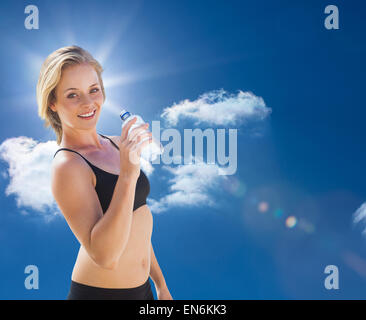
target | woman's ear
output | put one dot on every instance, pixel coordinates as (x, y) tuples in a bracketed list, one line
[(52, 107)]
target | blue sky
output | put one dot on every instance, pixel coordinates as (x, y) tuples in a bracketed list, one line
[(304, 159)]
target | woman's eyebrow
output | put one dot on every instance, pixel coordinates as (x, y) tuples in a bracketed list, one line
[(77, 89)]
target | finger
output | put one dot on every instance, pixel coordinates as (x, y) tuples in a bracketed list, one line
[(143, 144), (130, 144), (143, 136), (133, 144), (126, 128), (138, 130), (133, 147)]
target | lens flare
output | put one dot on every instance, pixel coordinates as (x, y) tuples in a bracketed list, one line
[(291, 222), (263, 206), (278, 213)]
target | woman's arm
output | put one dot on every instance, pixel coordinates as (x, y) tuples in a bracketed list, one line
[(110, 234), (158, 278), (155, 272)]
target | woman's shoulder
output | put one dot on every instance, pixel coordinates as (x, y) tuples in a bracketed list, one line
[(115, 139), (66, 160), (70, 169)]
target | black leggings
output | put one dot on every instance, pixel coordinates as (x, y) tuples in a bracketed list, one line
[(79, 291)]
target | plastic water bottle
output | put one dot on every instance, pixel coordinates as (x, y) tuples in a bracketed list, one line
[(151, 151)]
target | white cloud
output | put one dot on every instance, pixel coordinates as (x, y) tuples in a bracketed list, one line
[(146, 166), (190, 185), (218, 107), (29, 173), (360, 216)]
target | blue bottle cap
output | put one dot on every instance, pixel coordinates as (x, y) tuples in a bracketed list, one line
[(124, 114)]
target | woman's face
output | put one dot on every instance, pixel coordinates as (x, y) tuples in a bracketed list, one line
[(78, 93)]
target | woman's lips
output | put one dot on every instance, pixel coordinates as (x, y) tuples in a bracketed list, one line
[(87, 118)]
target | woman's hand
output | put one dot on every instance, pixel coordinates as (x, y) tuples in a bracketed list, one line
[(130, 148)]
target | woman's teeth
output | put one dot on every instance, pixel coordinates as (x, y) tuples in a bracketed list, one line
[(87, 114)]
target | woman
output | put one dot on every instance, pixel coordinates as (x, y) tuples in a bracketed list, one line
[(98, 184)]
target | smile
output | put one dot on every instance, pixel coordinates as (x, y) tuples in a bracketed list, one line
[(88, 115)]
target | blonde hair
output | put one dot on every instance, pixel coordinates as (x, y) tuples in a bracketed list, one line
[(50, 76)]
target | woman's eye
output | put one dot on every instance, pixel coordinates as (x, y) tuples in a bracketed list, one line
[(72, 95)]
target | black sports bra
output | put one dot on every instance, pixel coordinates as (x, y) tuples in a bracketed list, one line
[(106, 183)]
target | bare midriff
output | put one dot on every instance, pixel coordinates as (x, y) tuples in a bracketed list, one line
[(133, 267)]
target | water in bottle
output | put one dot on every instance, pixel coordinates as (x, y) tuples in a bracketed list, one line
[(151, 151)]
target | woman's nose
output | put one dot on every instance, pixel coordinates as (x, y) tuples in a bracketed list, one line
[(85, 99)]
